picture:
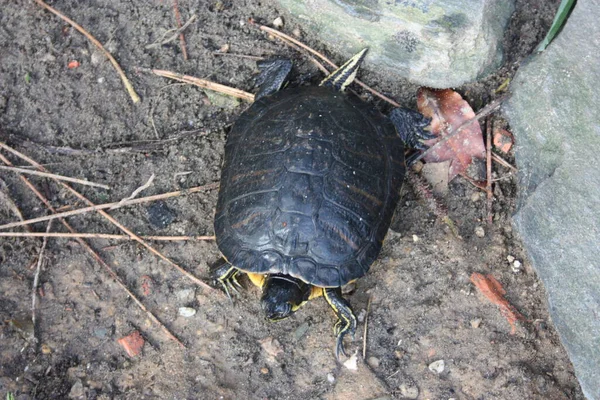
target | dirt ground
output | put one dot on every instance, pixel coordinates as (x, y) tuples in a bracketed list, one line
[(80, 122)]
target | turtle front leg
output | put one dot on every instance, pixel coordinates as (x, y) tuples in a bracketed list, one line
[(226, 274), (273, 75), (346, 323), (411, 127)]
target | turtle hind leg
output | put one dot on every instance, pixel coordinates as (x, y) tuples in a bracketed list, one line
[(346, 323), (411, 127), (273, 75), (226, 274)]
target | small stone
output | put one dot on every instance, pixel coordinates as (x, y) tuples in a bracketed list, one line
[(437, 366), (479, 231), (46, 349), (100, 333), (186, 312), (278, 22), (510, 258), (475, 323), (77, 391), (297, 32), (409, 391), (330, 378), (361, 316), (352, 362), (185, 295), (415, 238), (264, 370), (475, 197), (516, 266), (301, 331), (373, 362), (160, 215)]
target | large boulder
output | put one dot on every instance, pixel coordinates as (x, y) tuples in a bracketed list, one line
[(432, 43), (554, 113)]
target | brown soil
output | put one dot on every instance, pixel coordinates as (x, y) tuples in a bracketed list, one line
[(80, 122)]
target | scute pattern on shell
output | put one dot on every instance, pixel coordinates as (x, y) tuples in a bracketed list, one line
[(309, 186)]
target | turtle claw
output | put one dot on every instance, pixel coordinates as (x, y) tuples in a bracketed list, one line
[(226, 275), (412, 127)]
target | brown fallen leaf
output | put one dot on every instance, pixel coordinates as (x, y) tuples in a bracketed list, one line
[(272, 347), (493, 290), (503, 139), (448, 111), (132, 343)]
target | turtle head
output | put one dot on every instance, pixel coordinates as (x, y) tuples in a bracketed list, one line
[(282, 296)]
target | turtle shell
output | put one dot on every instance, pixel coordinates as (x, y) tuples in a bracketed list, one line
[(310, 181)]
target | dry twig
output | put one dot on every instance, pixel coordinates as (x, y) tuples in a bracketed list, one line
[(136, 192), (135, 237), (49, 175), (134, 97), (364, 352), (105, 236), (180, 28), (95, 255), (6, 199), (203, 83), (179, 31), (255, 58), (99, 207), (503, 162), (36, 280), (488, 165)]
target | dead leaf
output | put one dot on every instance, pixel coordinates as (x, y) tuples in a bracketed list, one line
[(493, 290), (448, 111), (503, 139), (272, 347), (132, 343)]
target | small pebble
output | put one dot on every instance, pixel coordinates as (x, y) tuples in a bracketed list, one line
[(415, 238), (330, 378), (46, 349), (77, 391), (352, 362), (479, 231), (278, 22), (475, 197), (185, 295), (437, 366), (409, 391), (186, 312), (264, 370), (475, 323), (100, 333), (301, 331), (296, 32), (510, 258), (373, 362), (516, 266)]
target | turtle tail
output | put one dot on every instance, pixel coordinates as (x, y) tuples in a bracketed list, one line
[(344, 75)]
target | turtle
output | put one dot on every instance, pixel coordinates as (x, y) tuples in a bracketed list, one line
[(309, 184)]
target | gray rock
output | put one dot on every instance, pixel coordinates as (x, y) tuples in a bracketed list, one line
[(432, 43), (556, 121)]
